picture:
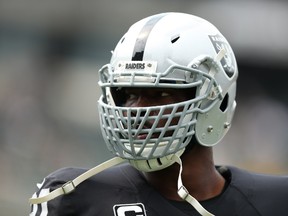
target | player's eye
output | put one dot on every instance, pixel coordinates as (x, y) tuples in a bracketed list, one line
[(130, 95)]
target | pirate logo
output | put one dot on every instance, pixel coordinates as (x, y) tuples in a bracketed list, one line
[(227, 62)]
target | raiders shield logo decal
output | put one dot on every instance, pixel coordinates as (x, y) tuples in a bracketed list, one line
[(228, 62)]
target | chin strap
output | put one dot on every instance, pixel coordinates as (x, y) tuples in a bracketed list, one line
[(71, 185), (184, 194)]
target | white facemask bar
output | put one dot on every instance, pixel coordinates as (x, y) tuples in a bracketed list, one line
[(125, 146), (198, 61)]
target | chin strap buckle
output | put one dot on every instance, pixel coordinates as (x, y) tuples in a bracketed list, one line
[(68, 187), (183, 192)]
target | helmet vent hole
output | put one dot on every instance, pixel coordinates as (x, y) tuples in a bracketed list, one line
[(122, 40), (159, 161), (175, 38), (148, 164), (224, 103)]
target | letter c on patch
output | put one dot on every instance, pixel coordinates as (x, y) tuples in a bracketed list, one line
[(136, 209)]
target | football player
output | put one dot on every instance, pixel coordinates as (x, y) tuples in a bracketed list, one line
[(168, 96)]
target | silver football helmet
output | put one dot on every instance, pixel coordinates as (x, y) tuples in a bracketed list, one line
[(168, 50)]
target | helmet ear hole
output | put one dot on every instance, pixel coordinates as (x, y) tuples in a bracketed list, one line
[(224, 103)]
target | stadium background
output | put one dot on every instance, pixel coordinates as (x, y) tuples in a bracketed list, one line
[(50, 52)]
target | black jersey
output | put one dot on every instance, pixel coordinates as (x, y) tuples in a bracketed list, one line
[(123, 191)]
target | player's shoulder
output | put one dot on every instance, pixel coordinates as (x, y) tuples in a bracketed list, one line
[(241, 177), (65, 173), (267, 193), (96, 194), (118, 176)]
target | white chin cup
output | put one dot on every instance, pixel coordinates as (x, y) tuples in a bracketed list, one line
[(155, 164)]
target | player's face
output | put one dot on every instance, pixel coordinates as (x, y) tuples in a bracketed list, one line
[(145, 97), (149, 97)]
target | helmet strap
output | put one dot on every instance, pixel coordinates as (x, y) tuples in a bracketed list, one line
[(71, 185), (184, 194)]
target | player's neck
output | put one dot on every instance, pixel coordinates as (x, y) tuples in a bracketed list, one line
[(199, 176)]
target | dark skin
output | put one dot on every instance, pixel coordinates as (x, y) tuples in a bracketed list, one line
[(199, 175)]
